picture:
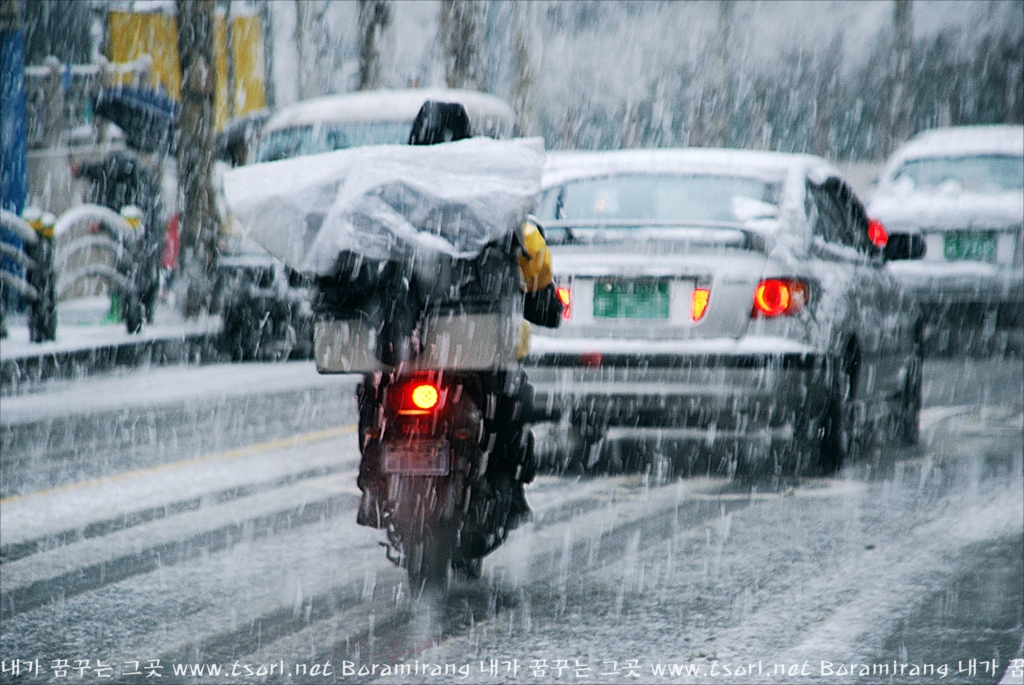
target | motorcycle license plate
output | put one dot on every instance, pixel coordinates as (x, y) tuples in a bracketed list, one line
[(417, 458)]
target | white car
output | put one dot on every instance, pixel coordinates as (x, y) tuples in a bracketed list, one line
[(962, 190), (729, 301), (374, 117)]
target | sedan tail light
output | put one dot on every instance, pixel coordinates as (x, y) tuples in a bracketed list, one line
[(564, 297), (779, 297), (877, 233), (698, 303)]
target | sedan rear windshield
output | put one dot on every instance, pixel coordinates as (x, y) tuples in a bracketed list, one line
[(992, 173), (661, 198), (311, 140)]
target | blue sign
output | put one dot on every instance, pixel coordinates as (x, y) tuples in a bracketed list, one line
[(13, 145)]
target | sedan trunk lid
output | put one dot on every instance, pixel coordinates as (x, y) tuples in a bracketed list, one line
[(654, 289)]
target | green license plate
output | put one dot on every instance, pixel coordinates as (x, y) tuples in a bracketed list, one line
[(975, 246), (631, 299)]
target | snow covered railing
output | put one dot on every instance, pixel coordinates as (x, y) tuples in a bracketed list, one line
[(115, 279), (118, 230), (93, 214), (121, 239), (19, 254), (15, 224), (130, 272), (88, 242), (33, 252)]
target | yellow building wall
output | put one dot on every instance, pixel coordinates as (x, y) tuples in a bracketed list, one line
[(220, 60), (250, 72), (133, 34)]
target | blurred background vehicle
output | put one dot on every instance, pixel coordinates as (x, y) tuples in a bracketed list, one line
[(236, 143), (729, 301), (265, 306), (962, 190), (382, 117)]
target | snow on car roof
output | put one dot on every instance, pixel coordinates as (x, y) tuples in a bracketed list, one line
[(568, 165), (385, 105), (957, 141)]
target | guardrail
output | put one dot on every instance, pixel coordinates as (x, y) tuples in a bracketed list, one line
[(132, 278), (134, 273), (35, 255)]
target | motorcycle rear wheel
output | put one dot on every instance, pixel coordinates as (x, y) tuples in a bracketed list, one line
[(428, 561), (470, 569)]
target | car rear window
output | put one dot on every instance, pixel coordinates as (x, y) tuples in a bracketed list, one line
[(311, 140), (657, 197), (990, 173)]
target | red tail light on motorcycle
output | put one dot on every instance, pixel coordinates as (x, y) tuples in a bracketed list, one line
[(424, 396), (779, 297), (416, 397), (564, 296)]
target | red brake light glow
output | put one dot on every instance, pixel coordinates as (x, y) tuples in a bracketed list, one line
[(564, 297), (698, 303), (775, 296), (424, 396), (877, 233)]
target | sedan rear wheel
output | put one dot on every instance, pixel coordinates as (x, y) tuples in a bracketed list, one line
[(575, 450), (910, 409), (839, 431)]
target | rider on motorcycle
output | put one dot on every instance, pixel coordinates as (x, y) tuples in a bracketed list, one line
[(509, 396)]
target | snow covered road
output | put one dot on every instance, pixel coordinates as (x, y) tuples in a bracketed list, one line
[(237, 547)]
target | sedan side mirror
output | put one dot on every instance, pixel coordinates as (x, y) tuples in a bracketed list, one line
[(904, 246)]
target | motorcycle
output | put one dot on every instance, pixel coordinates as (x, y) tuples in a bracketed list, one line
[(443, 454), (424, 475)]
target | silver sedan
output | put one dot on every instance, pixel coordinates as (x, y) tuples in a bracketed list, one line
[(729, 308), (960, 192)]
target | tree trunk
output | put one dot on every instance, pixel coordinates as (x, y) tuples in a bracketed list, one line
[(461, 31), (267, 22), (199, 221), (826, 100), (712, 107), (900, 99), (374, 19), (522, 85), (313, 41)]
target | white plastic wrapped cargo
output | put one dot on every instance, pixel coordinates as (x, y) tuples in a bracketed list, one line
[(420, 205), (389, 201)]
